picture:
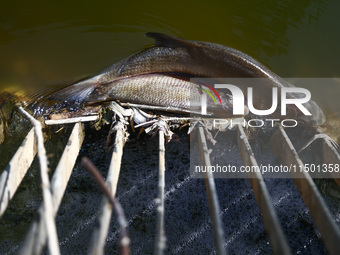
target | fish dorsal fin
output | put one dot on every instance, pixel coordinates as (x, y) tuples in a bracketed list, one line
[(170, 41)]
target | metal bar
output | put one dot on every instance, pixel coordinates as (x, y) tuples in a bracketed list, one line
[(212, 195), (71, 120), (16, 170), (36, 237), (269, 217), (160, 239), (283, 147), (161, 108), (99, 234), (329, 155), (66, 163), (48, 214), (124, 240)]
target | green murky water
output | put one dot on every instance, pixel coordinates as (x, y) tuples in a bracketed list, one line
[(55, 43), (45, 44)]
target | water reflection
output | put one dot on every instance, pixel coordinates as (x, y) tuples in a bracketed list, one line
[(46, 45), (267, 23), (58, 42)]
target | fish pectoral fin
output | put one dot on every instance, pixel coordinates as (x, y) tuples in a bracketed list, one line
[(170, 41), (78, 92)]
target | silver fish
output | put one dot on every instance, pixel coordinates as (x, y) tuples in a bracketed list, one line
[(173, 94), (155, 89), (172, 55)]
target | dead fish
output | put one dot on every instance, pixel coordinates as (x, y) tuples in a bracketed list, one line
[(165, 92), (198, 59), (173, 94), (173, 55)]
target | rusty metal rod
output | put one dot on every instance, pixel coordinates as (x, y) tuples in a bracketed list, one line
[(318, 209), (36, 237), (48, 212), (16, 170), (159, 108), (212, 195), (329, 154), (122, 223), (160, 232), (99, 234), (269, 217)]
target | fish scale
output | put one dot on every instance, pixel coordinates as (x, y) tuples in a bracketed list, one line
[(156, 89)]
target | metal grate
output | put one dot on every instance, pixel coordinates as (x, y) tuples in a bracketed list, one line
[(42, 230)]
